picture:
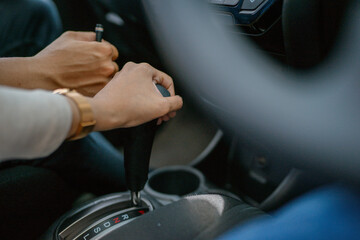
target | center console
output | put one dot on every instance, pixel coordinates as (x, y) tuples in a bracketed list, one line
[(99, 217), (176, 203), (160, 208)]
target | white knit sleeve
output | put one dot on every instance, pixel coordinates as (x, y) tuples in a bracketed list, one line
[(32, 123)]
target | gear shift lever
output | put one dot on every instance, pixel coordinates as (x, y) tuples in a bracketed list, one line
[(137, 151)]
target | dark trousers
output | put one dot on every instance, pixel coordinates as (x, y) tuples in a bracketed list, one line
[(27, 26)]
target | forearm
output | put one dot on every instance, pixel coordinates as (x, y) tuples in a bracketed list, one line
[(24, 72), (32, 123)]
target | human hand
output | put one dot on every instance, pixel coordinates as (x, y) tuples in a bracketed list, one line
[(131, 98), (75, 60)]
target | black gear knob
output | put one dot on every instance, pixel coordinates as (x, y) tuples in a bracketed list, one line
[(137, 151)]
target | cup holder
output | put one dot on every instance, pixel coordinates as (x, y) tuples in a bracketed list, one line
[(170, 183)]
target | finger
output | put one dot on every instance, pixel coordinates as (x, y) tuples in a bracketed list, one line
[(175, 103), (166, 81), (172, 114), (116, 68), (115, 52), (165, 118), (129, 66), (159, 121), (81, 36), (109, 69), (169, 115), (160, 77), (147, 69)]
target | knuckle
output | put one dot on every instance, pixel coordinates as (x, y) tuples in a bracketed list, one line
[(103, 50), (129, 65), (170, 78), (145, 66), (180, 104), (108, 69), (97, 52), (164, 107), (107, 50), (68, 34), (116, 51), (116, 66)]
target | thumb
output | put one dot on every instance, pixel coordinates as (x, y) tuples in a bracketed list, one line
[(175, 103)]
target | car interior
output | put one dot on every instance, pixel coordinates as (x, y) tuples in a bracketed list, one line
[(270, 113)]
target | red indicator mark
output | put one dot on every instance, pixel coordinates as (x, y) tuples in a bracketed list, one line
[(142, 212), (116, 220)]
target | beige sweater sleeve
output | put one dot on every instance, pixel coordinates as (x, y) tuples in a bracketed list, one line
[(32, 123)]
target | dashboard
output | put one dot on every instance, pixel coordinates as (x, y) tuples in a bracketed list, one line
[(252, 16)]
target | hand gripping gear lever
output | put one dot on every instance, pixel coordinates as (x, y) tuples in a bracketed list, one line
[(137, 151)]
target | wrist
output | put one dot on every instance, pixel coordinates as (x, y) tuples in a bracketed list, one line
[(105, 118), (24, 72), (43, 73), (83, 117)]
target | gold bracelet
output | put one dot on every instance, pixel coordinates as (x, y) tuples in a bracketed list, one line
[(87, 121)]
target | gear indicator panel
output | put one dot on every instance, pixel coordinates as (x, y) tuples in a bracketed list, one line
[(110, 222)]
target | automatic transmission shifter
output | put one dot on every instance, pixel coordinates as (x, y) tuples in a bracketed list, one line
[(137, 151)]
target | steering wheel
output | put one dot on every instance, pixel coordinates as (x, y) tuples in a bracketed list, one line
[(312, 118)]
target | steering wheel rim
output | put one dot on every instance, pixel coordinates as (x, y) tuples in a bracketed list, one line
[(316, 123)]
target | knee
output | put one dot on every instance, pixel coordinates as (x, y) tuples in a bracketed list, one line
[(41, 7), (44, 10), (38, 26), (45, 19), (37, 14)]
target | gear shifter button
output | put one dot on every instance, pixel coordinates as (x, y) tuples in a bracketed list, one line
[(135, 198)]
